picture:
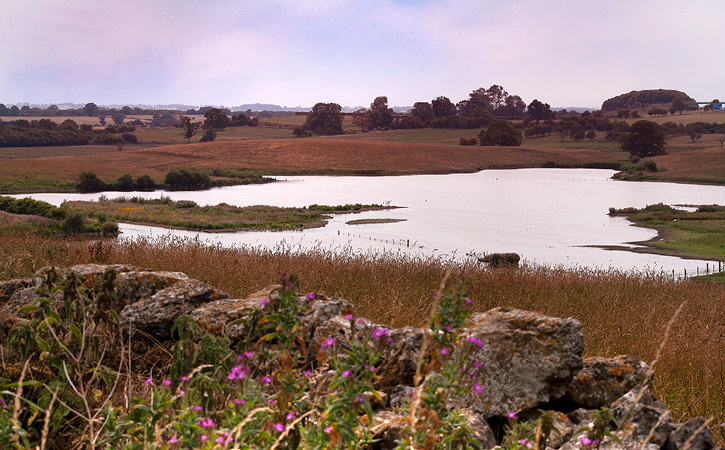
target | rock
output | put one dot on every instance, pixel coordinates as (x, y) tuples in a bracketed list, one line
[(23, 297), (8, 288), (608, 444), (682, 433), (387, 428), (564, 426), (400, 359), (603, 380), (340, 330), (141, 284), (321, 309), (482, 432), (156, 315), (642, 416), (214, 317), (580, 416), (527, 359), (400, 396)]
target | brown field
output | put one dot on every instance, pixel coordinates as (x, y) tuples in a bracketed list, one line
[(705, 165), (315, 155)]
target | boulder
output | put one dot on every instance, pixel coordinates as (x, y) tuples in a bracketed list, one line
[(603, 380), (8, 288), (527, 359), (156, 315), (683, 432), (399, 357), (638, 416)]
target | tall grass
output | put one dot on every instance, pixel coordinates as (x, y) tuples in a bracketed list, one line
[(622, 312)]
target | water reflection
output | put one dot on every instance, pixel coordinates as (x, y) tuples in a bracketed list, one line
[(549, 216)]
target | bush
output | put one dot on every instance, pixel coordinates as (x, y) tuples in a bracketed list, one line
[(129, 138), (73, 222), (89, 182), (186, 178), (145, 183), (464, 141)]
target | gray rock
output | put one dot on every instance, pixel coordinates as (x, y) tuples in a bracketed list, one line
[(400, 396), (156, 315), (8, 288), (482, 432), (340, 330), (640, 417), (140, 284), (215, 317), (399, 359), (527, 359), (580, 416), (603, 380), (702, 441)]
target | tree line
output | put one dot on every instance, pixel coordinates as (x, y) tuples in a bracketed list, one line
[(46, 133)]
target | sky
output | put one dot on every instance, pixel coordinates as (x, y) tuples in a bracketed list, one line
[(568, 53)]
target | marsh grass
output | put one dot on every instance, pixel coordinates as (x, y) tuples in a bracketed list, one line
[(622, 312)]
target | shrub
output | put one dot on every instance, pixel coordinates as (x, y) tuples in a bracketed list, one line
[(89, 182), (145, 183), (186, 178), (74, 222)]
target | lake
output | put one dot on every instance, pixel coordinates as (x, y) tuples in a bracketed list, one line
[(548, 216)]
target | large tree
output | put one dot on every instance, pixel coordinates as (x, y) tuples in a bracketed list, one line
[(422, 110), (325, 118), (91, 109), (539, 111), (500, 132), (680, 103), (644, 139), (443, 107), (189, 128), (380, 115), (217, 119)]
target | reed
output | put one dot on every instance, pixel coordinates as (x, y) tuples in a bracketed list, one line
[(622, 312)]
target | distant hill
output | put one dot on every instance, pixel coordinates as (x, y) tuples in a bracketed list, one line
[(643, 97)]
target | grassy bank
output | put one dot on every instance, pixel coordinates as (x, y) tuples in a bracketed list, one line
[(622, 312), (699, 234), (188, 215)]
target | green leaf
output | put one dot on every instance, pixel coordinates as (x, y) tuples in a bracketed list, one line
[(27, 309)]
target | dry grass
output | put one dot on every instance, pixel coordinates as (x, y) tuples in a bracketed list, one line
[(705, 165), (315, 155), (622, 313)]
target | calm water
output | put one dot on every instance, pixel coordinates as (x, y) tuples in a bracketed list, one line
[(548, 216)]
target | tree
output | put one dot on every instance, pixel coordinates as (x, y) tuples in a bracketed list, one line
[(500, 132), (217, 119), (679, 104), (591, 134), (189, 128), (325, 118), (422, 110), (443, 107), (361, 118), (380, 115), (118, 118), (539, 111), (91, 110), (644, 139), (145, 183), (209, 135), (89, 182)]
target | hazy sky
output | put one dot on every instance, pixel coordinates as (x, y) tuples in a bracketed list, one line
[(300, 52)]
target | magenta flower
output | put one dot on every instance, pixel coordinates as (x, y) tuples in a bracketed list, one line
[(390, 341), (290, 416), (149, 381), (279, 427), (345, 373), (475, 340), (328, 429), (586, 440), (311, 296), (248, 354), (443, 351), (511, 415), (197, 408), (264, 302), (173, 440), (348, 317), (168, 382), (308, 373), (181, 392), (327, 343), (219, 440), (272, 401), (238, 402), (477, 388), (237, 373), (185, 378), (477, 364), (203, 437), (380, 332)]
